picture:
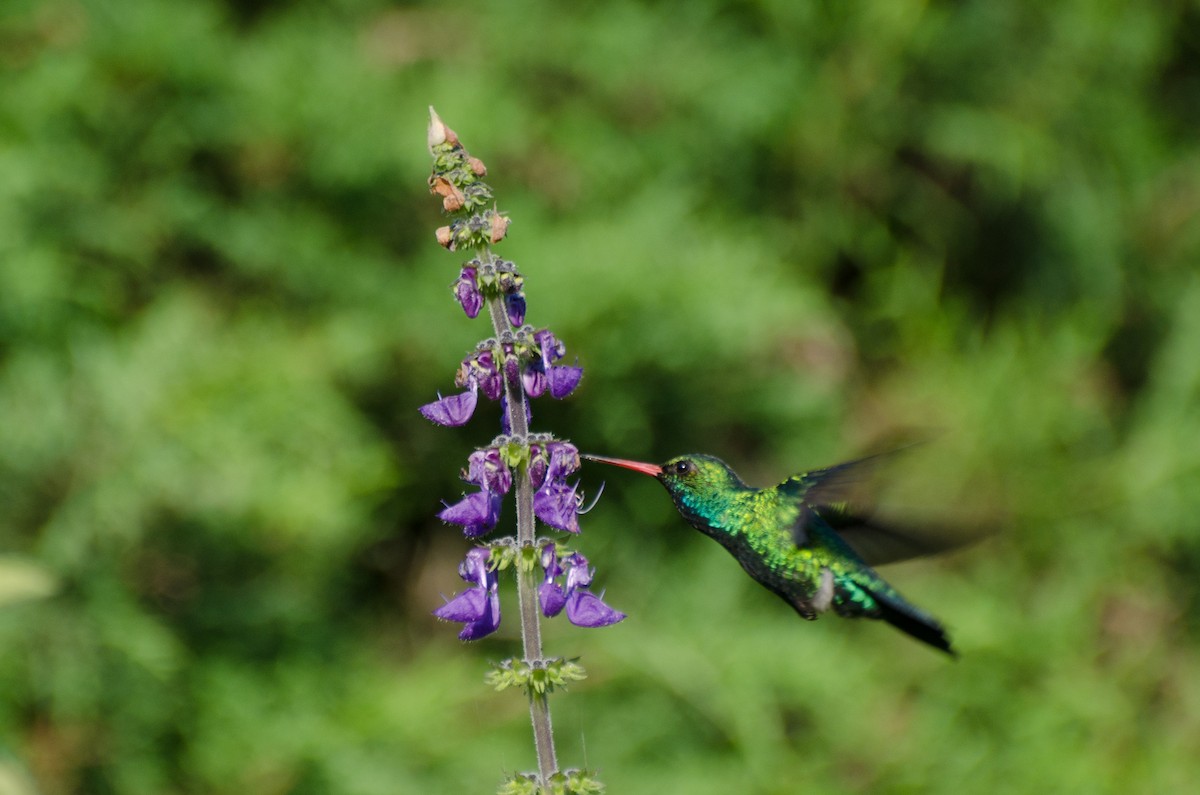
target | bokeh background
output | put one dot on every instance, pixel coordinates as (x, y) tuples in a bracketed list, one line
[(779, 232)]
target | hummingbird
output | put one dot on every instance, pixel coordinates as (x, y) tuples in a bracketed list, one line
[(806, 540)]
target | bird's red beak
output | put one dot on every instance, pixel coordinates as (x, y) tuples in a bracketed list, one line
[(636, 466)]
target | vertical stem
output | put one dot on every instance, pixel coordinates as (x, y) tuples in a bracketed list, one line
[(527, 580)]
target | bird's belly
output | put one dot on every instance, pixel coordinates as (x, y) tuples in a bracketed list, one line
[(796, 578)]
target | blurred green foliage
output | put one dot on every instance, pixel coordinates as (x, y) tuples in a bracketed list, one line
[(779, 232)]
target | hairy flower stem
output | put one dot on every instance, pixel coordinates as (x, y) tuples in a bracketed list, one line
[(527, 578)]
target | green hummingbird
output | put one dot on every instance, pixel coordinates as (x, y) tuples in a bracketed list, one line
[(805, 539)]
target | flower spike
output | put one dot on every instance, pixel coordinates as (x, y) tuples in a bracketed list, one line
[(517, 363)]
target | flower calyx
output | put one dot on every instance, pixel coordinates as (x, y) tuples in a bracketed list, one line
[(537, 677), (477, 231), (572, 781)]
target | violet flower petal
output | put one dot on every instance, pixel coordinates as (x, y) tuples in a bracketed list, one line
[(563, 380), (487, 470), (585, 609), (538, 466), (579, 575), (512, 365), (470, 605), (467, 293), (550, 562), (483, 367), (552, 597), (514, 303), (477, 513), (488, 623), (534, 380), (492, 385), (474, 567), (550, 346), (479, 607), (564, 459), (554, 503), (452, 411)]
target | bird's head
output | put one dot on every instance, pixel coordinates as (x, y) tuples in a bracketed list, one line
[(691, 479)]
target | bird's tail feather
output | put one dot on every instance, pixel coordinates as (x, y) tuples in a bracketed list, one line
[(906, 618)]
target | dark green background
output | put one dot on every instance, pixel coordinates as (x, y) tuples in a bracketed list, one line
[(780, 232)]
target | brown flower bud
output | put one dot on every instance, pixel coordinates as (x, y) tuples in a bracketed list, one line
[(445, 237), (499, 226), (452, 198), (477, 167)]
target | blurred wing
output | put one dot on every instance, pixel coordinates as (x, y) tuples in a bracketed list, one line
[(841, 496), (878, 543)]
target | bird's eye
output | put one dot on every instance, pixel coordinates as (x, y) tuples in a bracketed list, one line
[(684, 468)]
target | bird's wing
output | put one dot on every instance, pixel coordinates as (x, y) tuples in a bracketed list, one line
[(841, 496)]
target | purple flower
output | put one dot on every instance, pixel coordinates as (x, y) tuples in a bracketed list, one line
[(564, 459), (512, 363), (541, 375), (534, 380), (554, 460), (466, 291), (539, 463), (550, 346), (563, 380), (477, 513), (584, 608), (579, 575), (487, 470), (554, 500), (481, 368), (478, 607), (514, 303), (453, 410), (511, 284)]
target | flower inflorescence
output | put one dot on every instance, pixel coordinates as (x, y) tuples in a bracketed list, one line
[(517, 364)]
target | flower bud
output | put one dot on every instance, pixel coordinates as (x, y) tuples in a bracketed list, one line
[(438, 133), (452, 198), (499, 226)]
